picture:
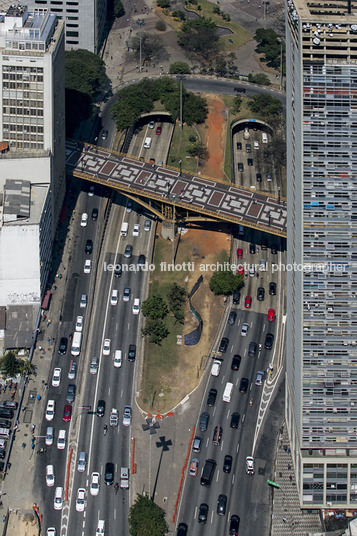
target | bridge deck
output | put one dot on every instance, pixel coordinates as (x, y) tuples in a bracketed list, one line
[(211, 199)]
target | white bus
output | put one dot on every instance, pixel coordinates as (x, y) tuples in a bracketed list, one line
[(76, 343)]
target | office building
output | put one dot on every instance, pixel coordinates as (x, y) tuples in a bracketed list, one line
[(321, 349)]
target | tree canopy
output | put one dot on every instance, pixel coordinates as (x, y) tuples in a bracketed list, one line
[(199, 37), (85, 72), (146, 518), (154, 307), (179, 67), (265, 105), (269, 45), (225, 282)]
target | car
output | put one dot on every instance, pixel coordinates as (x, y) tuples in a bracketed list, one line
[(118, 270), (4, 423), (89, 247), (94, 484), (240, 166), (271, 315), (91, 190), (141, 260), (193, 467), (202, 513), (269, 339), (81, 500), (244, 330), (83, 301), (51, 531), (264, 244), (272, 288), (126, 294), (56, 377), (240, 272), (250, 161), (128, 251), (100, 531), (204, 419), (227, 463), (50, 410), (239, 146), (151, 124), (82, 462), (117, 358), (260, 294), (6, 413), (236, 362), (212, 395), (158, 131), (252, 350), (58, 499), (104, 135), (152, 160), (236, 293), (217, 435), (114, 417), (239, 253), (109, 473), (62, 349), (8, 404), (49, 436), (234, 525), (232, 318), (136, 306), (259, 378), (248, 147), (71, 393), (196, 446), (136, 229), (93, 368), (84, 219), (79, 323), (252, 270), (72, 370), (249, 465), (100, 408), (221, 504), (268, 177), (234, 420), (147, 225), (67, 413), (129, 206), (87, 266), (216, 367), (274, 249), (106, 347), (61, 440), (132, 352), (114, 297), (50, 476), (258, 176), (243, 387), (127, 416), (223, 345), (248, 302), (252, 249), (95, 214)]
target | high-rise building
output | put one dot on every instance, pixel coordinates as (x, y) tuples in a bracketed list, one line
[(321, 386)]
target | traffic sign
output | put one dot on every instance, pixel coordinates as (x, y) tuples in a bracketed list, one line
[(273, 484)]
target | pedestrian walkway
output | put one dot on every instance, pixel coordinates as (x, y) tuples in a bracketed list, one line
[(288, 518)]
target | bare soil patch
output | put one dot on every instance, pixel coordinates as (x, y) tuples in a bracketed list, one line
[(215, 137)]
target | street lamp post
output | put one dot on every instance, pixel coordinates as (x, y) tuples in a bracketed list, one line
[(140, 23), (279, 195), (181, 77), (180, 162), (281, 41)]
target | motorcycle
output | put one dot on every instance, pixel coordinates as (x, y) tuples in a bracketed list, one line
[(105, 429), (251, 402)]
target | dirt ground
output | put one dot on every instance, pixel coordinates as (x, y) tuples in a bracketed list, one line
[(204, 247), (215, 137)]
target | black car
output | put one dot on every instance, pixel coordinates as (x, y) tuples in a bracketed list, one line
[(6, 413), (269, 339), (132, 352), (252, 249), (260, 293), (252, 350), (234, 525), (89, 247), (9, 404), (243, 387), (236, 362), (221, 504), (95, 214), (259, 177), (227, 464), (203, 513), (274, 249), (212, 395), (141, 260), (118, 270), (232, 318), (239, 146), (264, 244), (204, 419), (109, 473), (2, 454), (235, 420), (100, 408), (236, 297), (240, 166), (5, 423), (62, 349), (182, 529), (250, 161), (71, 393), (223, 345), (272, 288), (248, 147)]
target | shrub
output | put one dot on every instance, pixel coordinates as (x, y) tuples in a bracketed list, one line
[(160, 26)]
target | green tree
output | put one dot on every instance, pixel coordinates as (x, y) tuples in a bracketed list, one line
[(199, 37), (265, 105), (156, 330), (25, 367), (160, 26), (154, 307), (199, 150), (177, 298), (118, 9), (163, 3), (261, 79), (9, 365), (237, 104), (225, 282), (216, 10), (195, 108), (85, 72), (146, 518), (178, 14), (179, 67), (132, 102), (269, 45)]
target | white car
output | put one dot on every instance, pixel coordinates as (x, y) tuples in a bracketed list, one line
[(114, 297), (100, 528), (244, 329), (61, 440), (94, 484), (51, 531), (50, 475), (127, 416), (259, 378), (91, 191), (58, 500), (84, 219), (50, 410), (49, 436), (87, 266), (249, 465), (118, 359), (106, 347), (56, 378), (79, 324), (81, 500), (136, 306), (216, 367), (136, 229)]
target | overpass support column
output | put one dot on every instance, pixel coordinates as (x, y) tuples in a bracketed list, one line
[(168, 230)]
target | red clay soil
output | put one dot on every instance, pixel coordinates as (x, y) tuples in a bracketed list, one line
[(216, 138)]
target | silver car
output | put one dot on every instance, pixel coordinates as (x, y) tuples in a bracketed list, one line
[(128, 251), (126, 294), (127, 416), (244, 329)]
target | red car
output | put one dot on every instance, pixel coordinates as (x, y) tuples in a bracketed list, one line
[(67, 413), (241, 269), (271, 315), (158, 131), (248, 302), (239, 253)]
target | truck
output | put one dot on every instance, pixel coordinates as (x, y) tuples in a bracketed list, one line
[(114, 417), (124, 478), (124, 228), (76, 343)]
